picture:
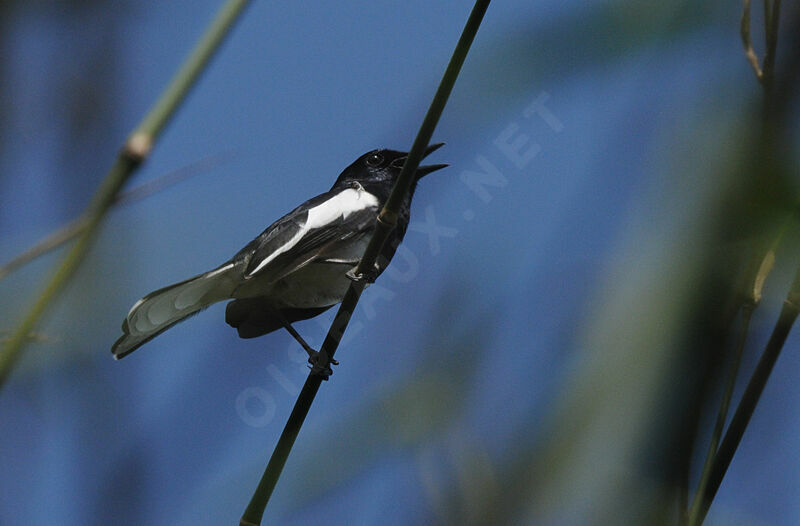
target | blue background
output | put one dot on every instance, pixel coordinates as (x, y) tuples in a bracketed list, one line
[(457, 359)]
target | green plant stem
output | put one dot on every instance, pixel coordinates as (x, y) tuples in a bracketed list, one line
[(49, 243), (772, 13), (751, 288), (722, 415), (741, 418), (386, 222), (133, 153), (718, 460), (77, 226)]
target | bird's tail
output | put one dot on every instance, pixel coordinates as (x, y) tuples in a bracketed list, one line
[(160, 310)]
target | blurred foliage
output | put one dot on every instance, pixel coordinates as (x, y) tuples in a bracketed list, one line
[(617, 445)]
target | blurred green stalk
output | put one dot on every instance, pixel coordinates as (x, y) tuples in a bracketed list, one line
[(723, 457), (133, 153), (76, 227), (717, 460), (722, 415)]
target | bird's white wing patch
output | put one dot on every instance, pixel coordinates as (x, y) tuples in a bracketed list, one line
[(341, 205)]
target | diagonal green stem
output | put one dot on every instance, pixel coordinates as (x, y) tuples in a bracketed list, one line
[(135, 151), (718, 460), (752, 286), (722, 415), (386, 222), (750, 398), (77, 226)]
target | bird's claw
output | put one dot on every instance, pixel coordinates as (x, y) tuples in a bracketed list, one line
[(368, 277), (320, 364)]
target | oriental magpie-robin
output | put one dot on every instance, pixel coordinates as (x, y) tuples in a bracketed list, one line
[(296, 269)]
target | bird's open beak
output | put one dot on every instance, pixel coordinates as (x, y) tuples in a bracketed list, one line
[(422, 171)]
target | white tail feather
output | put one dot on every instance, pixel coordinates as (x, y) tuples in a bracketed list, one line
[(162, 309)]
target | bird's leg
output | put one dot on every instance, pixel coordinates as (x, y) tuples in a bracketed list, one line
[(319, 365)]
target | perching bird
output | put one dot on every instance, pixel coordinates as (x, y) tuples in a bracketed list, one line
[(296, 269)]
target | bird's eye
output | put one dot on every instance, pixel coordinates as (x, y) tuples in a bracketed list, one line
[(375, 159)]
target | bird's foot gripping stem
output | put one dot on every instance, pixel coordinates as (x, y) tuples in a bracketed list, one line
[(320, 364), (367, 277)]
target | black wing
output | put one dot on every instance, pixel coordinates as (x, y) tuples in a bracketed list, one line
[(309, 232)]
